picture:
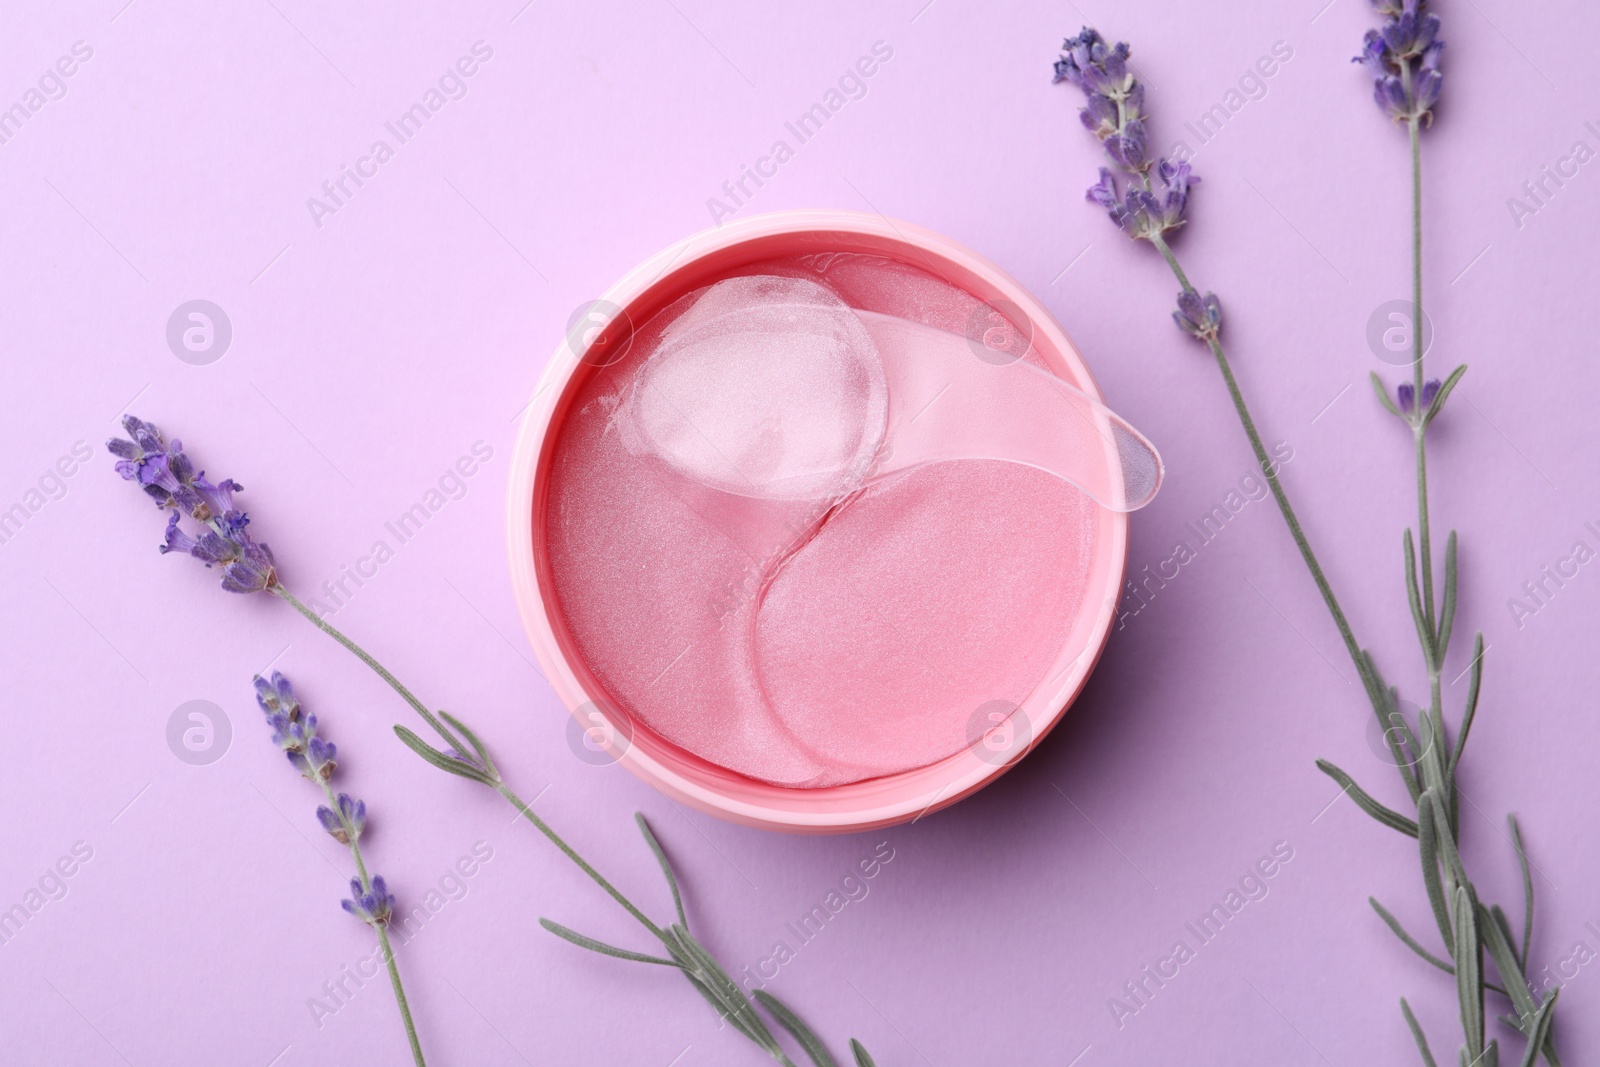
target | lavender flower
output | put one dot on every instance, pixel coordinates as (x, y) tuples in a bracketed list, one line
[(294, 733), (1404, 405), (1199, 316), (169, 478), (294, 730), (1114, 113), (345, 824), (1407, 395), (1403, 58), (1093, 66), (1145, 211), (373, 905), (1139, 211)]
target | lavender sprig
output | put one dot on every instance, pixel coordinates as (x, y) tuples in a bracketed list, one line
[(1114, 112), (169, 477), (344, 818), (1403, 56)]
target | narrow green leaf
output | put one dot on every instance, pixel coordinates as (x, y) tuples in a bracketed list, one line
[(1417, 1034), (1418, 616), (1540, 1038), (1448, 854), (1367, 667), (1409, 941), (1384, 398), (862, 1059), (472, 739), (802, 1033), (666, 868), (1387, 816), (1498, 913), (1505, 961), (1527, 890), (1447, 610), (437, 758), (1528, 1009), (1444, 394), (1397, 732), (1469, 969), (1436, 770), (1428, 840), (1474, 684), (600, 946)]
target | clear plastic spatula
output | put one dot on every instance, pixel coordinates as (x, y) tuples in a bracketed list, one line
[(773, 388)]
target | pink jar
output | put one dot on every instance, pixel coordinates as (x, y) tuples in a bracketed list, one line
[(680, 774)]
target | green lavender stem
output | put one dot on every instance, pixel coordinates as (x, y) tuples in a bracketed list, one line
[(360, 653), (1434, 636), (382, 931), (685, 951), (1269, 471), (1418, 339)]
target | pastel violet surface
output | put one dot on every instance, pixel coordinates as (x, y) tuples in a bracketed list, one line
[(383, 345)]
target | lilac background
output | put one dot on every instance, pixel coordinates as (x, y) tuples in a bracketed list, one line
[(372, 351)]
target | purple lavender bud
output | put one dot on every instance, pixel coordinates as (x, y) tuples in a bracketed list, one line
[(181, 466), (1427, 33), (1100, 116), (1406, 393), (1429, 82), (346, 824), (210, 548), (275, 695), (1432, 55), (1133, 103), (354, 812), (1374, 55), (1127, 149), (1430, 389), (1178, 178), (381, 896), (1078, 53), (177, 540), (330, 822), (1094, 68), (321, 755), (144, 434), (1104, 192), (253, 574), (1114, 64), (374, 907), (1391, 96), (1400, 34), (287, 734), (1199, 316)]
